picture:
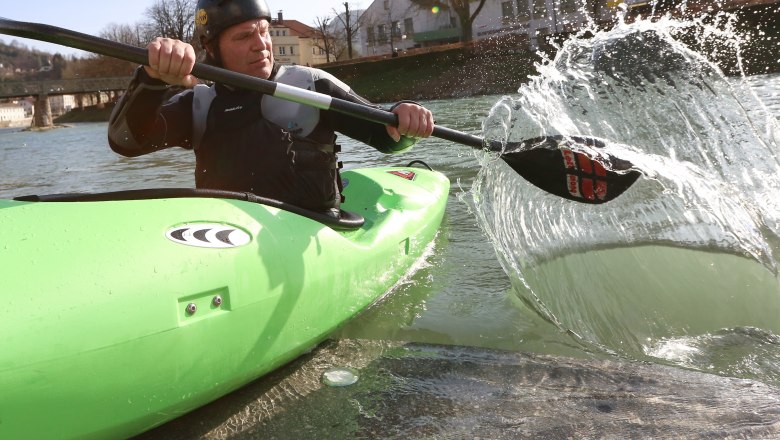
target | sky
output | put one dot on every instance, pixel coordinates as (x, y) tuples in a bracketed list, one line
[(92, 16)]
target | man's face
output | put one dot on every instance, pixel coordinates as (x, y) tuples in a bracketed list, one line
[(246, 48)]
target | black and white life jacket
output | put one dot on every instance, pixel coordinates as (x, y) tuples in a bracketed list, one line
[(245, 141)]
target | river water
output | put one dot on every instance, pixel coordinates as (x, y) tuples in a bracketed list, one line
[(679, 271)]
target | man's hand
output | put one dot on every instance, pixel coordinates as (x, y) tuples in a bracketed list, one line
[(413, 121), (171, 61)]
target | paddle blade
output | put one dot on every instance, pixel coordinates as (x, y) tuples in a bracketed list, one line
[(558, 165)]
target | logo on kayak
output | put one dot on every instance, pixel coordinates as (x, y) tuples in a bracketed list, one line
[(408, 175), (209, 235)]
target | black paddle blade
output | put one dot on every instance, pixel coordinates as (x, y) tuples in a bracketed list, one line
[(556, 165)]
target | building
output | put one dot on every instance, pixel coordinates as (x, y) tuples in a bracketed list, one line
[(14, 114), (535, 20), (295, 43), (11, 111), (61, 104), (390, 25), (658, 7), (28, 104), (397, 25)]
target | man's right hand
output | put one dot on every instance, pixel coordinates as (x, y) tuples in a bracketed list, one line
[(171, 61)]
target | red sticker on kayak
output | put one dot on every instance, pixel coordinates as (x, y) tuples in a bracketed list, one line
[(408, 175)]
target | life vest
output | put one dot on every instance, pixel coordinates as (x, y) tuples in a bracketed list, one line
[(240, 146)]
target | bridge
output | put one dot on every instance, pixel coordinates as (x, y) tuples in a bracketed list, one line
[(20, 89), (42, 89)]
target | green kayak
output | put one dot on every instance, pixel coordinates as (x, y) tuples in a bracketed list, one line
[(124, 310)]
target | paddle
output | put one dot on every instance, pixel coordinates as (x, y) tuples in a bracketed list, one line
[(552, 163)]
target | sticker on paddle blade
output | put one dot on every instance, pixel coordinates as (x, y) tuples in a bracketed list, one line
[(589, 182), (209, 235), (406, 174), (553, 164)]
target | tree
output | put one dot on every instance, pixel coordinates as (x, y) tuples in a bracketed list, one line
[(58, 65), (96, 66), (327, 39), (462, 9), (351, 27), (172, 19), (135, 35)]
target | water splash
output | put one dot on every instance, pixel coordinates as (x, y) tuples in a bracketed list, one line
[(745, 352), (692, 247)]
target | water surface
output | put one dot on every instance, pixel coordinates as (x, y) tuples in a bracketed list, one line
[(681, 270)]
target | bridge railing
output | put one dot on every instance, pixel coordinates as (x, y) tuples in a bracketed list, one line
[(15, 89)]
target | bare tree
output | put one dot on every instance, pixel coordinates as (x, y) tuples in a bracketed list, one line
[(327, 39), (58, 65), (351, 26), (172, 19), (134, 35), (95, 66), (462, 9), (98, 66)]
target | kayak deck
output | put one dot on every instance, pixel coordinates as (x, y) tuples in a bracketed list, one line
[(111, 327)]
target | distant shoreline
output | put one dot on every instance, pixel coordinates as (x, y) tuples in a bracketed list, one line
[(16, 123)]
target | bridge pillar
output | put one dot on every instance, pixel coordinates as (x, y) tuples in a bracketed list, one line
[(42, 116)]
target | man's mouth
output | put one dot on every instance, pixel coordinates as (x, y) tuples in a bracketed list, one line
[(261, 59)]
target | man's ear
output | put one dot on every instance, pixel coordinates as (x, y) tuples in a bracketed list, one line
[(206, 46)]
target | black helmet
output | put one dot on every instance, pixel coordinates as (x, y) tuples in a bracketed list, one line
[(214, 16)]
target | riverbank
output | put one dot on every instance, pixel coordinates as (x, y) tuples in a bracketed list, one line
[(501, 65), (16, 123), (94, 113), (483, 68), (49, 128)]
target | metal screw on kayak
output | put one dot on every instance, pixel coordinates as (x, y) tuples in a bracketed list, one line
[(191, 308), (217, 301)]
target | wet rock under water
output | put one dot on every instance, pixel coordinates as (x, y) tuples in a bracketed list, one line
[(430, 391)]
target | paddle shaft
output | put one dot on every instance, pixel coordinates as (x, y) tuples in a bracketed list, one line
[(89, 43)]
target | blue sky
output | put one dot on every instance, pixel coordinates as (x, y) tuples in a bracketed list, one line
[(92, 16)]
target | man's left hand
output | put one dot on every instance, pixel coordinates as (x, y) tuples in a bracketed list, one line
[(413, 121)]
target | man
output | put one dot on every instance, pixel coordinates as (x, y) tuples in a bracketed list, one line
[(245, 141)]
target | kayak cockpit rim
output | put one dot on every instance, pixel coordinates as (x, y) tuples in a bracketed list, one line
[(345, 221)]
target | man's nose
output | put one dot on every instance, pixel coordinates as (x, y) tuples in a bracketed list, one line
[(258, 42)]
